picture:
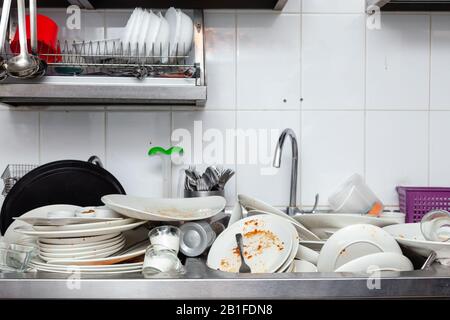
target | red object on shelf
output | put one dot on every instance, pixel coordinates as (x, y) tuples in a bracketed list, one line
[(47, 34)]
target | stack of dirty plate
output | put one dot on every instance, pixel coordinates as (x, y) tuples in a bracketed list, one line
[(85, 244)]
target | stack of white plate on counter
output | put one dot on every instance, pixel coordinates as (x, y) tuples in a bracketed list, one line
[(270, 246), (67, 245)]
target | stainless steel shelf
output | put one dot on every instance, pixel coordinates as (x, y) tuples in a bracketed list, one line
[(201, 283)]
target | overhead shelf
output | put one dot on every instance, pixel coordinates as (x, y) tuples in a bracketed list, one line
[(189, 4), (411, 5)]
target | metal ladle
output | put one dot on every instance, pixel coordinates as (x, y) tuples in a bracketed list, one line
[(23, 65), (3, 26)]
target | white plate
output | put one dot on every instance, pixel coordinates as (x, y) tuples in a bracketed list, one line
[(76, 249), (250, 204), (353, 242), (330, 222), (86, 272), (79, 241), (86, 226), (38, 221), (295, 245), (410, 236), (165, 209), (13, 237), (79, 233), (378, 262), (80, 255), (267, 244), (104, 261), (83, 256), (114, 267)]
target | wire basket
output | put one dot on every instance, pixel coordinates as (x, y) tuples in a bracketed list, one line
[(416, 202), (13, 173)]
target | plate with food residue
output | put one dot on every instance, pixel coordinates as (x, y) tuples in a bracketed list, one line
[(267, 242), (152, 209)]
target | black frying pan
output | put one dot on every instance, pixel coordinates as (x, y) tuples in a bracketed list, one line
[(72, 182)]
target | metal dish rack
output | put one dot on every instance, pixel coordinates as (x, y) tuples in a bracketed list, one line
[(112, 72), (13, 173), (113, 58)]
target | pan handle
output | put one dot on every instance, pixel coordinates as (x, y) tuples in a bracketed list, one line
[(96, 160)]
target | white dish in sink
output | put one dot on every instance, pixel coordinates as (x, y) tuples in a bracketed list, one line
[(353, 242), (252, 204), (378, 262), (410, 236), (151, 209)]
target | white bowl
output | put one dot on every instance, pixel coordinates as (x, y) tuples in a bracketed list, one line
[(378, 262), (353, 242), (304, 266)]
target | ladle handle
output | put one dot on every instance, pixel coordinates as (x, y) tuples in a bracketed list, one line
[(4, 23), (22, 27), (33, 26)]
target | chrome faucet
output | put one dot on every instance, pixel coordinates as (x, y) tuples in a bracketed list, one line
[(292, 209)]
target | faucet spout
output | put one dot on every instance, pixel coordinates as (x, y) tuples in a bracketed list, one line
[(292, 209)]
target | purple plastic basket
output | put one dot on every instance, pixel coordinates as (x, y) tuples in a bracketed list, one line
[(416, 202)]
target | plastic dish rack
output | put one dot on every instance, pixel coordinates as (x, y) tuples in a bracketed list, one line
[(416, 202)]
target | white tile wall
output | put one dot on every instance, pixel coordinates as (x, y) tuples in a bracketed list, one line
[(332, 149), (268, 61), (396, 151), (376, 102), (333, 61), (398, 63), (72, 135)]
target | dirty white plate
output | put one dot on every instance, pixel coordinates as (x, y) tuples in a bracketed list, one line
[(13, 237), (113, 259), (90, 255), (80, 247), (325, 224), (252, 204), (39, 221), (78, 233), (151, 209), (410, 236), (267, 245), (86, 226), (353, 242), (78, 241), (295, 245), (37, 262), (378, 262), (104, 252)]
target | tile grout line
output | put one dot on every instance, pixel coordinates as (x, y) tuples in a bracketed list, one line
[(236, 53), (301, 169), (365, 105), (429, 102)]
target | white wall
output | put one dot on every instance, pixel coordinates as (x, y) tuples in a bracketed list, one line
[(376, 102)]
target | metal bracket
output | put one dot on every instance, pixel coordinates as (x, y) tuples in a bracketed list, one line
[(83, 4)]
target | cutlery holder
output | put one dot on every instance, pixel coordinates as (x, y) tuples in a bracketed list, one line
[(200, 194), (416, 202)]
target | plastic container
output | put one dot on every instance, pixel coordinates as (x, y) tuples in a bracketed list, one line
[(416, 202), (47, 34), (354, 196)]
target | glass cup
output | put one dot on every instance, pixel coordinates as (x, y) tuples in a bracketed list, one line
[(167, 236), (161, 260), (435, 226)]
